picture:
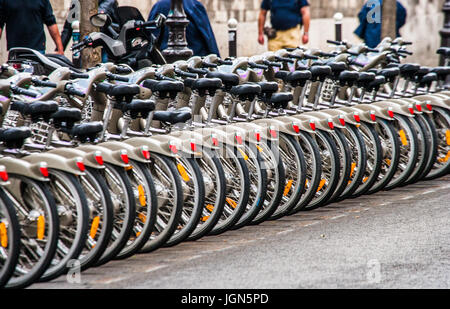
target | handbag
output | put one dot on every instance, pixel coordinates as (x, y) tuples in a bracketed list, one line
[(270, 32)]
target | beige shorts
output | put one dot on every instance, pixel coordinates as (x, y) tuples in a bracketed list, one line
[(290, 38)]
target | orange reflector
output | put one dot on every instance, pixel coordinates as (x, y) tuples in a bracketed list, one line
[(365, 179), (209, 207), (3, 235), (231, 202), (243, 154), (403, 137), (388, 162), (203, 219), (321, 184), (128, 167), (40, 227), (183, 173), (142, 217), (259, 148), (138, 233), (352, 169), (287, 188), (444, 159), (141, 192), (94, 227), (447, 136)]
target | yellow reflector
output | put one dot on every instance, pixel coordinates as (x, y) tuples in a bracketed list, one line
[(447, 136), (358, 125), (306, 182), (3, 235), (203, 219), (129, 167), (321, 184), (183, 172), (259, 148), (388, 162), (243, 154), (210, 207), (40, 227), (231, 202), (138, 233), (365, 179), (352, 169), (444, 159), (142, 199), (142, 217), (403, 137), (288, 186), (94, 227)]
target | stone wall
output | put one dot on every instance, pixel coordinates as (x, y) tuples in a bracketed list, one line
[(423, 23)]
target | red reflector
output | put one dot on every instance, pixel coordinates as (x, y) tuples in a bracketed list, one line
[(215, 141), (146, 154), (124, 156), (3, 173), (193, 146), (258, 136), (411, 109), (331, 125), (342, 120), (373, 116), (296, 128), (429, 106), (137, 29), (357, 118), (43, 169), (419, 107), (312, 124), (239, 139), (391, 113), (98, 157), (173, 148), (273, 133), (17, 66), (80, 165)]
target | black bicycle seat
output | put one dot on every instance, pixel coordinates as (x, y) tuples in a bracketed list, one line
[(348, 78), (228, 79), (164, 88), (441, 72), (390, 73), (120, 92), (173, 117), (376, 83), (14, 137), (337, 68), (282, 75), (365, 78), (66, 116), (87, 131), (140, 108), (36, 110), (281, 100), (408, 70), (320, 72), (298, 78), (207, 86), (444, 51), (246, 91), (268, 87)]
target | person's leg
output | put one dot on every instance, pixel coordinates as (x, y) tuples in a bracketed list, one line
[(276, 43), (293, 37)]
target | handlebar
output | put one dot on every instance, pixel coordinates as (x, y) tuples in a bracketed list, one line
[(69, 89), (323, 54), (209, 65), (272, 64), (284, 59), (43, 83), (123, 70), (21, 91), (198, 71), (335, 42), (225, 62), (111, 76), (74, 75), (185, 74), (257, 66)]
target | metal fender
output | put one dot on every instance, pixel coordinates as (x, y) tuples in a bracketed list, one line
[(319, 123), (153, 145), (284, 126), (254, 128), (398, 109), (212, 137), (24, 168), (380, 111), (421, 106), (108, 156), (294, 122), (88, 159), (235, 135), (191, 140), (354, 112), (124, 150), (57, 162), (434, 101), (180, 143)]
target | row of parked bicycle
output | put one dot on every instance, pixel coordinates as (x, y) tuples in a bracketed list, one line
[(105, 163)]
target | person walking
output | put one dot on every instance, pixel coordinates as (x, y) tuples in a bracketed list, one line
[(199, 34), (24, 20), (369, 29), (287, 18)]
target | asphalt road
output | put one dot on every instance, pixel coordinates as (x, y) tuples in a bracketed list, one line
[(396, 239)]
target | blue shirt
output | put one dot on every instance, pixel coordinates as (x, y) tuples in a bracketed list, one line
[(24, 20), (199, 34), (284, 14), (371, 32)]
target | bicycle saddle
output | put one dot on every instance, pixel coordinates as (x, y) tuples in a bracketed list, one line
[(282, 75), (365, 79), (281, 100), (246, 91), (268, 87), (62, 61), (298, 78), (376, 83), (228, 79), (66, 116), (140, 108), (320, 72), (207, 85), (36, 110), (87, 131), (14, 137), (337, 68), (180, 115), (441, 72), (164, 88), (120, 92), (348, 78), (408, 70), (390, 73), (444, 51)]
